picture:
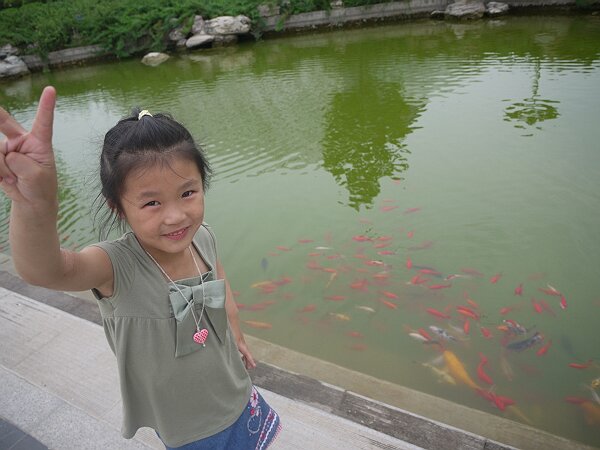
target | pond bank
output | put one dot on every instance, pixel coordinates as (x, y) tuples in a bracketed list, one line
[(275, 25)]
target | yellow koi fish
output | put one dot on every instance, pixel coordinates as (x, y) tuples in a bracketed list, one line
[(442, 375), (340, 316), (257, 324), (457, 370)]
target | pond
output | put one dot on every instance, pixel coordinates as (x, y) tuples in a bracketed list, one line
[(406, 200)]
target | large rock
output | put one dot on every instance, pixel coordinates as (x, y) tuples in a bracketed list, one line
[(198, 26), (154, 58), (228, 25), (496, 8), (199, 40), (464, 10), (12, 66), (8, 50)]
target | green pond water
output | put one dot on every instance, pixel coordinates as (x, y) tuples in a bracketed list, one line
[(470, 151)]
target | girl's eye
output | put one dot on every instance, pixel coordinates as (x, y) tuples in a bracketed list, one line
[(152, 203), (187, 193)]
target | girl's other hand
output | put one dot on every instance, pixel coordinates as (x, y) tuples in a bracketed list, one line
[(246, 355), (27, 167)]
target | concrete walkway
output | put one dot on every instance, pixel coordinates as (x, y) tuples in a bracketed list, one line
[(58, 384), (59, 390)]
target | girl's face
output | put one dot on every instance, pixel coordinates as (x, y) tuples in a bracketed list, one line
[(164, 206)]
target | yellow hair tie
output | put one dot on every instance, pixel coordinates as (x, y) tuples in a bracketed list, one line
[(144, 113)]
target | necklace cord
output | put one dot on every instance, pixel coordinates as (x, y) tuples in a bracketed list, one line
[(191, 303)]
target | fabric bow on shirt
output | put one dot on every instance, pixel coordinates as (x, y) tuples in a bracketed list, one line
[(214, 318)]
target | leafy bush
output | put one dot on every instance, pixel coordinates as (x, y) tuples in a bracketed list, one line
[(122, 26)]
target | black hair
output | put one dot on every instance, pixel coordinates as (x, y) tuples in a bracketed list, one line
[(136, 142)]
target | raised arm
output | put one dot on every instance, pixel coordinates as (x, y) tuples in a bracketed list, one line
[(28, 178)]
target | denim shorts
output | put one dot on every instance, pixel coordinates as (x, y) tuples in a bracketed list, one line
[(256, 428)]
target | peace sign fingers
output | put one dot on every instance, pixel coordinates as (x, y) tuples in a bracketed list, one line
[(44, 118)]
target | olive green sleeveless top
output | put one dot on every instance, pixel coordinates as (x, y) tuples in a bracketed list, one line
[(184, 390)]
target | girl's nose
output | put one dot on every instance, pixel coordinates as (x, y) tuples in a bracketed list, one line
[(173, 215)]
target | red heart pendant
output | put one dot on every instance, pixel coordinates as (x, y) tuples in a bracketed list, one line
[(200, 336)]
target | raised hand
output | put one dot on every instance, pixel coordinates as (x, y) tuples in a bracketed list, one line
[(27, 167)]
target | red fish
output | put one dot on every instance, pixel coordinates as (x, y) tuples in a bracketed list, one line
[(543, 350), (355, 334), (411, 210), (547, 307), (361, 238), (386, 252), (439, 286), (466, 326), (425, 334), (409, 263), (469, 271), (480, 372), (418, 280), (519, 289), (283, 249), (388, 208), (381, 276), (384, 238), (436, 313), (536, 306), (581, 366), (563, 302), (550, 291), (360, 285), (282, 281), (391, 295), (390, 305), (468, 312), (485, 332), (410, 234), (305, 241), (308, 308), (495, 278), (506, 309), (429, 272), (361, 256), (374, 262), (335, 298)]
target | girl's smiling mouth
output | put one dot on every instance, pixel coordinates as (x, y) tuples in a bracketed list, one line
[(177, 235)]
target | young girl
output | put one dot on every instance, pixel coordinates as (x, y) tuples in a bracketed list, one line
[(167, 308)]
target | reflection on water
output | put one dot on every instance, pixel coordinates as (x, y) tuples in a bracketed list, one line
[(371, 188)]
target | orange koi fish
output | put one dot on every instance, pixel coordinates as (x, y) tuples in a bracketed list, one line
[(563, 302), (361, 238), (355, 334), (425, 334), (388, 208), (384, 238), (409, 263), (386, 252), (485, 332), (457, 369), (410, 234), (581, 366), (308, 308), (360, 285), (257, 324), (430, 272), (282, 248), (547, 307), (591, 411), (439, 286), (550, 291), (360, 256), (390, 305), (418, 280), (469, 271), (282, 281), (467, 312), (506, 310), (381, 245), (305, 241), (436, 313), (543, 350), (480, 372), (381, 276), (536, 306), (374, 262), (466, 326), (336, 298), (495, 278), (391, 295), (411, 210), (519, 289)]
